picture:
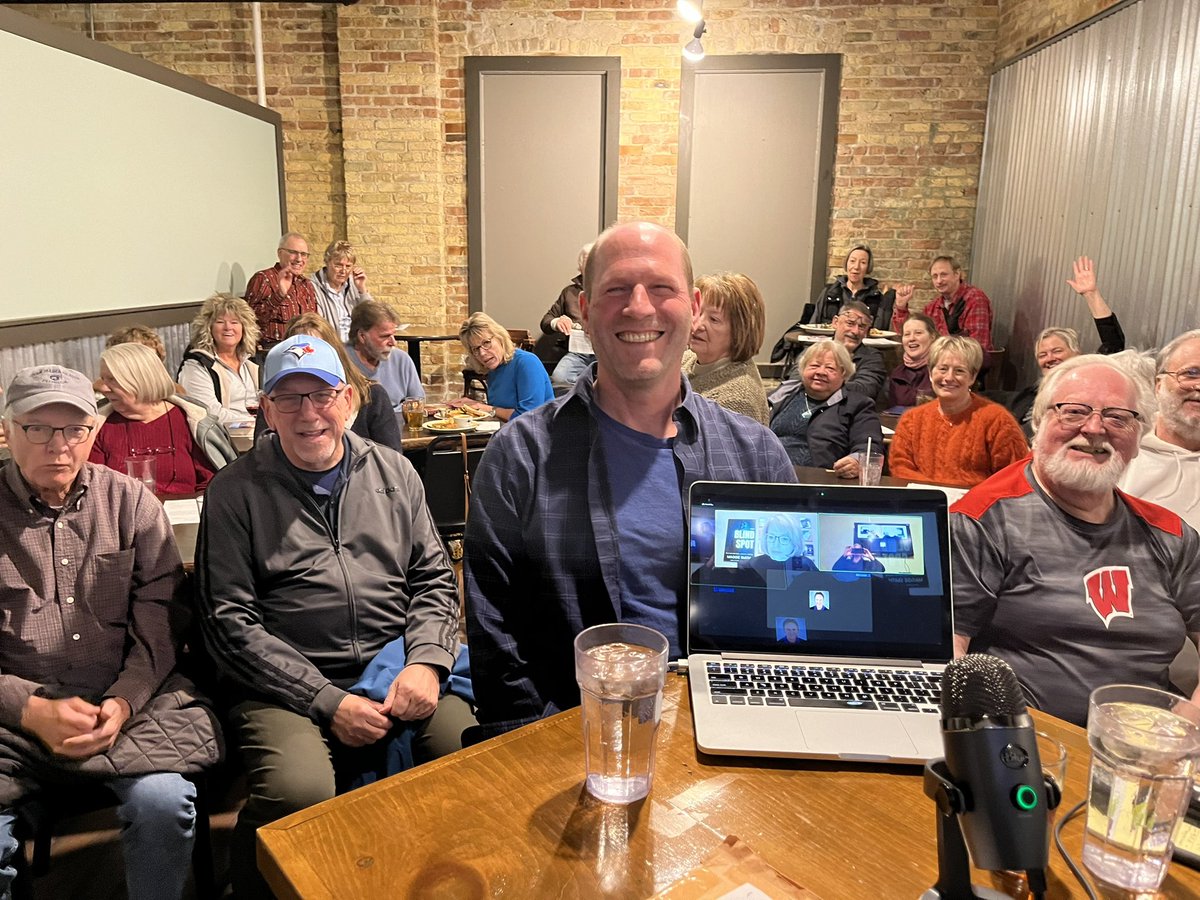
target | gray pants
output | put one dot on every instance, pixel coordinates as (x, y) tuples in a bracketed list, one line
[(291, 764)]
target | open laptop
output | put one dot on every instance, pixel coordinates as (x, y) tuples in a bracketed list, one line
[(819, 620)]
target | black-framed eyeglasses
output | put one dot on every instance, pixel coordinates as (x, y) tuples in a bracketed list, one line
[(1187, 378), (291, 403), (481, 347), (1115, 417), (44, 434)]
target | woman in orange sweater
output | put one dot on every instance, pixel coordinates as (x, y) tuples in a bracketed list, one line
[(959, 439)]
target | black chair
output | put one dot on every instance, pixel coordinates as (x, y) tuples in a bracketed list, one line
[(38, 814), (474, 384), (450, 463)]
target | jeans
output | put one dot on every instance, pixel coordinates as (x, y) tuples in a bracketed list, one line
[(158, 827), (568, 370)]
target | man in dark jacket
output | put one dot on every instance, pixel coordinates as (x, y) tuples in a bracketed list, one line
[(562, 325), (317, 551), (850, 326), (92, 590)]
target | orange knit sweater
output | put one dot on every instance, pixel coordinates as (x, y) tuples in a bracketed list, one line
[(961, 450)]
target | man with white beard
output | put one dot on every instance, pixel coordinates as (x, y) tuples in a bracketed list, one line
[(1167, 470), (1072, 582)]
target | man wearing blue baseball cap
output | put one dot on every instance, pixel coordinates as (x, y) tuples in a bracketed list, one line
[(316, 550)]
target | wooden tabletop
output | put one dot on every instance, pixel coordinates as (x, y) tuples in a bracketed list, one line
[(419, 333), (814, 475), (510, 818)]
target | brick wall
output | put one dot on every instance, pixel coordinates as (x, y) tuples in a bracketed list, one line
[(1026, 23), (373, 102)]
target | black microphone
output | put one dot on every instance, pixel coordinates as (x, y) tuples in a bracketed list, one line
[(991, 753)]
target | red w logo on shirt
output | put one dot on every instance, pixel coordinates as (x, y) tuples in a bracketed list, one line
[(1109, 592)]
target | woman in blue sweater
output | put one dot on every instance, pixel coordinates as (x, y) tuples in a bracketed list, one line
[(516, 379)]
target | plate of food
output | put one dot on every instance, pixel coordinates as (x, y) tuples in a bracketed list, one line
[(817, 329), (447, 426), (470, 411), (879, 332)]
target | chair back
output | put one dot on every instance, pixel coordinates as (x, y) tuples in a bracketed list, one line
[(450, 464)]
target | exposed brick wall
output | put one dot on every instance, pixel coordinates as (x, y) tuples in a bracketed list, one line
[(1026, 23), (373, 102)]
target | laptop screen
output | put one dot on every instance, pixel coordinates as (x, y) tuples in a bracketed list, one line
[(819, 570)]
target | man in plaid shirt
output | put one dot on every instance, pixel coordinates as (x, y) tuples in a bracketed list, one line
[(959, 308)]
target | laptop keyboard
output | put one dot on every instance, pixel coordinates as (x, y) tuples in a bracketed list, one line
[(830, 687)]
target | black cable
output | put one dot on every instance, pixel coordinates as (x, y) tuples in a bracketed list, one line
[(1075, 870)]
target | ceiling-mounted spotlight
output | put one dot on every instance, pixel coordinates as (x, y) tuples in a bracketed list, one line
[(690, 10), (693, 50)]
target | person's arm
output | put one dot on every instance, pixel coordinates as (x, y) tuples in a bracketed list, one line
[(883, 317), (962, 646), (158, 609), (410, 381), (904, 295), (197, 383), (227, 599), (864, 427), (976, 320), (557, 308), (869, 375), (382, 426), (902, 456), (1112, 337), (531, 382)]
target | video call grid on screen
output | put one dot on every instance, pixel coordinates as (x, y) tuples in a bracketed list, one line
[(804, 569)]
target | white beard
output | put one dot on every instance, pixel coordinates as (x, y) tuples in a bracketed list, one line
[(1170, 408), (1082, 475)]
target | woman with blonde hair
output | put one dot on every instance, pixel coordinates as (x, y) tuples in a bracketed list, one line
[(516, 379), (371, 414), (960, 439), (216, 370), (143, 416), (726, 335)]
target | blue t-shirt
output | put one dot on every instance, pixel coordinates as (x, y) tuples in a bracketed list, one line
[(519, 384), (647, 501), (397, 374)]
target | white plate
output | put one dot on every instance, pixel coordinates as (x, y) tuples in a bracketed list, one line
[(883, 334), (818, 329), (442, 427)]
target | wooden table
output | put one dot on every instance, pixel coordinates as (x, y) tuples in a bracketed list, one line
[(414, 337), (509, 818), (814, 475)]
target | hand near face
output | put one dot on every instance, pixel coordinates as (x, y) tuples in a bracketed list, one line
[(847, 552), (1085, 276), (414, 693), (358, 721), (360, 280), (867, 554), (54, 722), (904, 295), (846, 467)]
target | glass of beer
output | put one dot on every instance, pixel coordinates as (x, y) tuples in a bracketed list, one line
[(414, 412)]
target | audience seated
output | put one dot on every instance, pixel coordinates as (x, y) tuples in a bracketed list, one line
[(576, 516), (1167, 468), (1073, 583), (216, 370), (91, 695), (1056, 345), (725, 338), (143, 416), (908, 384), (819, 421), (138, 334), (561, 319), (372, 349), (850, 326), (279, 294), (340, 286), (316, 554), (958, 309), (961, 438), (854, 285), (516, 379)]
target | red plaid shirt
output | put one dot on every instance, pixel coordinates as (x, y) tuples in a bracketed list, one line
[(274, 309), (975, 321)]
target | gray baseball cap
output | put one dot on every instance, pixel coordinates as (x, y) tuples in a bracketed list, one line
[(39, 386)]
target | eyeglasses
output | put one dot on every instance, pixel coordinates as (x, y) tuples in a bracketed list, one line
[(481, 347), (778, 539), (43, 434), (854, 323), (1187, 378), (303, 254), (1115, 417), (291, 403)]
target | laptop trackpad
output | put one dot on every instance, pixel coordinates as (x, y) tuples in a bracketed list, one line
[(859, 734)]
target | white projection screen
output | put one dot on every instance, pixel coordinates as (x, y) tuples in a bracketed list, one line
[(124, 185)]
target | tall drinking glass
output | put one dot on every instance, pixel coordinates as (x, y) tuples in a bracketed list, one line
[(1145, 744), (621, 669)]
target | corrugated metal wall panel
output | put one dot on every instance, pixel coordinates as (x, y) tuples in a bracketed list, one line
[(84, 353), (1093, 148)]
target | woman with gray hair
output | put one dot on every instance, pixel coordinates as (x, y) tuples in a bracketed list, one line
[(960, 439), (818, 422), (341, 285), (216, 370), (144, 417), (516, 379)]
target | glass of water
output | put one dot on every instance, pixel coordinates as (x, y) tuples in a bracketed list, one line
[(621, 669), (143, 469), (1145, 744)]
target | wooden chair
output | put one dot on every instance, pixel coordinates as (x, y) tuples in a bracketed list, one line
[(39, 814), (475, 384)]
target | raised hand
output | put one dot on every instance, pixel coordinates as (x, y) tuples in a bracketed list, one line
[(904, 295), (1084, 281)]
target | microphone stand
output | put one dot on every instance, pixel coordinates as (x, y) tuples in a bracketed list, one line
[(954, 863)]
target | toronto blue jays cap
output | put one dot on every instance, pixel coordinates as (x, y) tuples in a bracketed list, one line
[(302, 355)]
